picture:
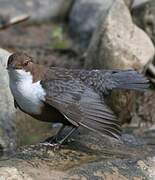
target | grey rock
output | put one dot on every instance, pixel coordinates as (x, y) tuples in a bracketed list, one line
[(117, 43), (84, 18), (132, 169), (7, 110), (118, 169), (7, 172), (88, 156), (38, 10), (138, 2), (129, 3), (144, 17)]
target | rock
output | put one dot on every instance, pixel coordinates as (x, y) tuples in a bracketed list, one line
[(144, 17), (7, 110), (139, 2), (145, 108), (129, 3), (88, 156), (119, 44), (113, 170), (12, 173), (84, 17), (38, 10)]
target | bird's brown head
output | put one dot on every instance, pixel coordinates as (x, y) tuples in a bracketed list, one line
[(19, 61)]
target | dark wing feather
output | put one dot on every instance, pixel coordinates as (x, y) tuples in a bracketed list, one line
[(97, 116), (81, 106)]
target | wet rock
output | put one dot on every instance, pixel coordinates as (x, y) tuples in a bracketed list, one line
[(38, 10), (118, 169), (119, 44), (7, 110), (87, 156)]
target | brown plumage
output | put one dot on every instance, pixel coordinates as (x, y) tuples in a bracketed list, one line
[(77, 97)]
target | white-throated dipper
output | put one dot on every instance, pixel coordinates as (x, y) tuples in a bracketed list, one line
[(73, 97)]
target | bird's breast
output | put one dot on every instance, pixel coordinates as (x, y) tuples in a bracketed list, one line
[(29, 96)]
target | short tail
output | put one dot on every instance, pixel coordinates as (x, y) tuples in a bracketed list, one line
[(130, 80)]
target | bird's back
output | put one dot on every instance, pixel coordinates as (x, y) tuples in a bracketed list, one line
[(102, 81)]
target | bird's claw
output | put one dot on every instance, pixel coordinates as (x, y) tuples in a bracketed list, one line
[(55, 146)]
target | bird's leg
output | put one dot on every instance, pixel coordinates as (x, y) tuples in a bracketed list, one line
[(54, 141), (54, 138), (67, 136)]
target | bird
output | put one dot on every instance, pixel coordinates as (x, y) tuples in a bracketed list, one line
[(73, 97)]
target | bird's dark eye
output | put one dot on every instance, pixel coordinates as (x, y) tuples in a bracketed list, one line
[(26, 63)]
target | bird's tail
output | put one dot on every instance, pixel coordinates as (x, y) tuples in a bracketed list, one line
[(130, 80)]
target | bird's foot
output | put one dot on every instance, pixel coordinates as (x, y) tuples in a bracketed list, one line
[(51, 142), (54, 146), (57, 140)]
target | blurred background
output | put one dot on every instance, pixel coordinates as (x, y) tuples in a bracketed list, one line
[(104, 34)]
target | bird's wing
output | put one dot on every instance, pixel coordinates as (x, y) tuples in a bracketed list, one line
[(81, 106)]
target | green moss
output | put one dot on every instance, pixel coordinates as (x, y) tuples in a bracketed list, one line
[(59, 38)]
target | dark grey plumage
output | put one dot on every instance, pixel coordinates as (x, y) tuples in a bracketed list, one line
[(79, 95)]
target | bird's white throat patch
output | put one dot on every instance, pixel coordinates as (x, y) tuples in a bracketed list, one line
[(28, 95)]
